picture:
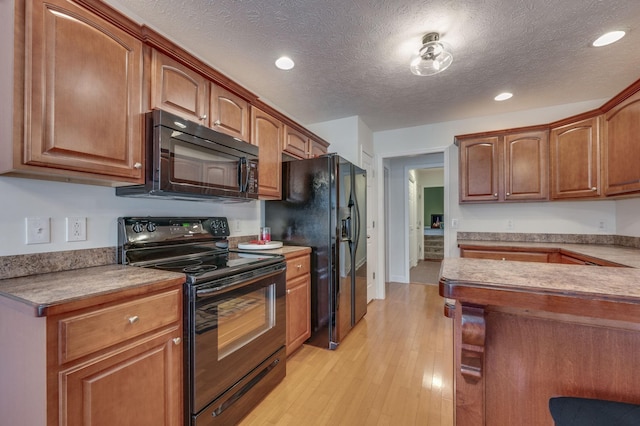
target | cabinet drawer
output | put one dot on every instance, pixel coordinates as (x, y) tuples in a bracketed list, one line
[(298, 266), (505, 255), (92, 331)]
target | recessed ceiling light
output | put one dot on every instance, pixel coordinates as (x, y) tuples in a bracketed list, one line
[(284, 63), (503, 96), (608, 38)]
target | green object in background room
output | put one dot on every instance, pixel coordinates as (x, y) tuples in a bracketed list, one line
[(433, 203)]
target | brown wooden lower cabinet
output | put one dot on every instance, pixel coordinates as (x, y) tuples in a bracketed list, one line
[(298, 300), (522, 336), (509, 362), (524, 254), (115, 363)]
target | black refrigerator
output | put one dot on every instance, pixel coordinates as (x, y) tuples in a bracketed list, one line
[(323, 206)]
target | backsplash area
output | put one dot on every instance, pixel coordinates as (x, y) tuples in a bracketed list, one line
[(41, 263), (618, 240)]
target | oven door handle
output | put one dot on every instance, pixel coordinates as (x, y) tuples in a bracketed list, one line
[(246, 388), (225, 288)]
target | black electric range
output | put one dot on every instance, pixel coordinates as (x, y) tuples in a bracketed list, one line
[(196, 246)]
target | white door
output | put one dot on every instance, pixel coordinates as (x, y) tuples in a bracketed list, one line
[(413, 241), (372, 254)]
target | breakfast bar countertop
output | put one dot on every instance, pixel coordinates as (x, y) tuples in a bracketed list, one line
[(581, 282)]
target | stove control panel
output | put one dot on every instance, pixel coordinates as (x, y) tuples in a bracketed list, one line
[(171, 229)]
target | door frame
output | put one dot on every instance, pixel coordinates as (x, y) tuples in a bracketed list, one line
[(382, 191)]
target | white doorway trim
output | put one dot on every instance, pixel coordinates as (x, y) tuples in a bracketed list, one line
[(381, 186)]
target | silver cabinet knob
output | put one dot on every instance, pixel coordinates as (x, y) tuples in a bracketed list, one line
[(495, 194), (288, 291), (594, 189), (137, 166), (216, 123), (177, 340), (134, 319), (299, 266), (203, 117), (508, 193)]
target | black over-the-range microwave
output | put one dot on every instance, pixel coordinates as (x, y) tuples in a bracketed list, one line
[(188, 161)]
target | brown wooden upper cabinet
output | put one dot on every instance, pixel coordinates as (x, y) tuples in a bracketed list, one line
[(504, 167), (229, 113), (480, 169), (295, 143), (83, 82), (178, 89), (317, 148), (267, 133), (621, 147), (575, 160), (184, 92), (298, 145)]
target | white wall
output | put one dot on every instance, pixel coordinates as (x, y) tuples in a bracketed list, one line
[(56, 200), (549, 217), (343, 136), (628, 217)]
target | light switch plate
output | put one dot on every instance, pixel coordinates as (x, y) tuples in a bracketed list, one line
[(38, 230)]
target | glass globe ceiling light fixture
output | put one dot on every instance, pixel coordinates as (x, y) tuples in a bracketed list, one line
[(432, 57)]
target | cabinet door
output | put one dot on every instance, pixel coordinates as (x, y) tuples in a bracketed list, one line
[(316, 149), (298, 312), (479, 169), (84, 90), (492, 254), (526, 166), (295, 143), (229, 113), (621, 148), (137, 385), (178, 89), (575, 160), (266, 133)]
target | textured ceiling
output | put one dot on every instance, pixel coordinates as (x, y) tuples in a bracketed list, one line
[(352, 57)]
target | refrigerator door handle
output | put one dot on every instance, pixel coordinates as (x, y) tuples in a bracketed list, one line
[(346, 229)]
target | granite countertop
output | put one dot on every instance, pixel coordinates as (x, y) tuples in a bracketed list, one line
[(588, 282), (43, 291), (284, 250), (627, 256)]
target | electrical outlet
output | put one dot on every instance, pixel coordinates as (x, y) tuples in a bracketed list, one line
[(76, 229), (455, 223), (38, 230), (602, 225), (509, 224)]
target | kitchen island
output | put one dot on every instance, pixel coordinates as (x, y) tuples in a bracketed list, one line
[(525, 332)]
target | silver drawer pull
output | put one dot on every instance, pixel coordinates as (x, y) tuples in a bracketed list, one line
[(134, 319), (137, 166), (299, 266), (177, 340), (216, 123)]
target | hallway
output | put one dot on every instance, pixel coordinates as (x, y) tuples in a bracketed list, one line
[(425, 272), (394, 368)]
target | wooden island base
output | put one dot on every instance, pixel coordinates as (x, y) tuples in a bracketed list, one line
[(520, 343)]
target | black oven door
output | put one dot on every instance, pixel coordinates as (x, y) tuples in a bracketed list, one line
[(232, 330)]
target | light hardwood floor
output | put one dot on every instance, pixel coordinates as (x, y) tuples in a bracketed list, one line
[(394, 368)]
